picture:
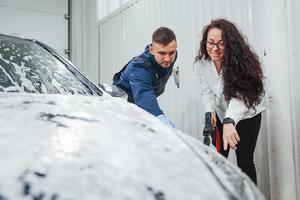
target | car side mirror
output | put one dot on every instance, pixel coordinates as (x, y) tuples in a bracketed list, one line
[(113, 90)]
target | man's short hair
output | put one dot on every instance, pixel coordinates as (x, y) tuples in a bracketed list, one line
[(163, 35)]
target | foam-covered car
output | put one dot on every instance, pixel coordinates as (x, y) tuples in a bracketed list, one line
[(63, 138)]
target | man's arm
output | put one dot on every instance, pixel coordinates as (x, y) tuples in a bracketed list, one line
[(141, 81)]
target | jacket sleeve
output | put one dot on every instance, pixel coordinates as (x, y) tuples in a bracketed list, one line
[(208, 97), (142, 89), (236, 110)]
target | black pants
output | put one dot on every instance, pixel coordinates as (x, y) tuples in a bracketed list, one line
[(248, 130)]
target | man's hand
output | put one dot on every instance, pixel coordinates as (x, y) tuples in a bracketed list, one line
[(230, 136), (166, 121)]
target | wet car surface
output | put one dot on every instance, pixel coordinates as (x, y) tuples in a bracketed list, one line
[(33, 67), (88, 146)]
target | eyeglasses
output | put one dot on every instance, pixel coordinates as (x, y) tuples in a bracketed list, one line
[(211, 45)]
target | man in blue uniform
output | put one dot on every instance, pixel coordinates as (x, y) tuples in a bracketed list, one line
[(145, 76)]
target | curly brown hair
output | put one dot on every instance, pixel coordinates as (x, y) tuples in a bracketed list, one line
[(241, 69)]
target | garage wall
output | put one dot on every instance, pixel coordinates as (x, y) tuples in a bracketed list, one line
[(46, 21), (42, 20), (293, 15), (104, 7), (271, 26), (84, 37)]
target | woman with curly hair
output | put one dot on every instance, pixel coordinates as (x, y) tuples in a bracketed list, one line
[(232, 90)]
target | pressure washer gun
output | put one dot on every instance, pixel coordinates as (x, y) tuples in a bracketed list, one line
[(208, 130)]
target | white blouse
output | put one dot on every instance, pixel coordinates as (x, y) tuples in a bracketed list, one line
[(211, 85)]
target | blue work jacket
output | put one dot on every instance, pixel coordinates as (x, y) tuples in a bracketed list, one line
[(143, 79)]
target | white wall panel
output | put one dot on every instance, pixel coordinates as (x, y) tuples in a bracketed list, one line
[(41, 20), (294, 55), (272, 28), (277, 62)]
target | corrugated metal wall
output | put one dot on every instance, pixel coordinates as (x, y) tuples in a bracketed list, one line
[(293, 10), (271, 26)]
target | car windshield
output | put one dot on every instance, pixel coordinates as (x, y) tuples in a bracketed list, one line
[(25, 66)]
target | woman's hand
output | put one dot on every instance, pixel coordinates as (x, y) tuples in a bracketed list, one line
[(230, 136), (213, 119)]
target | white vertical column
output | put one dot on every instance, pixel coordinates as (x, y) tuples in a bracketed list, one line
[(104, 7), (84, 38)]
